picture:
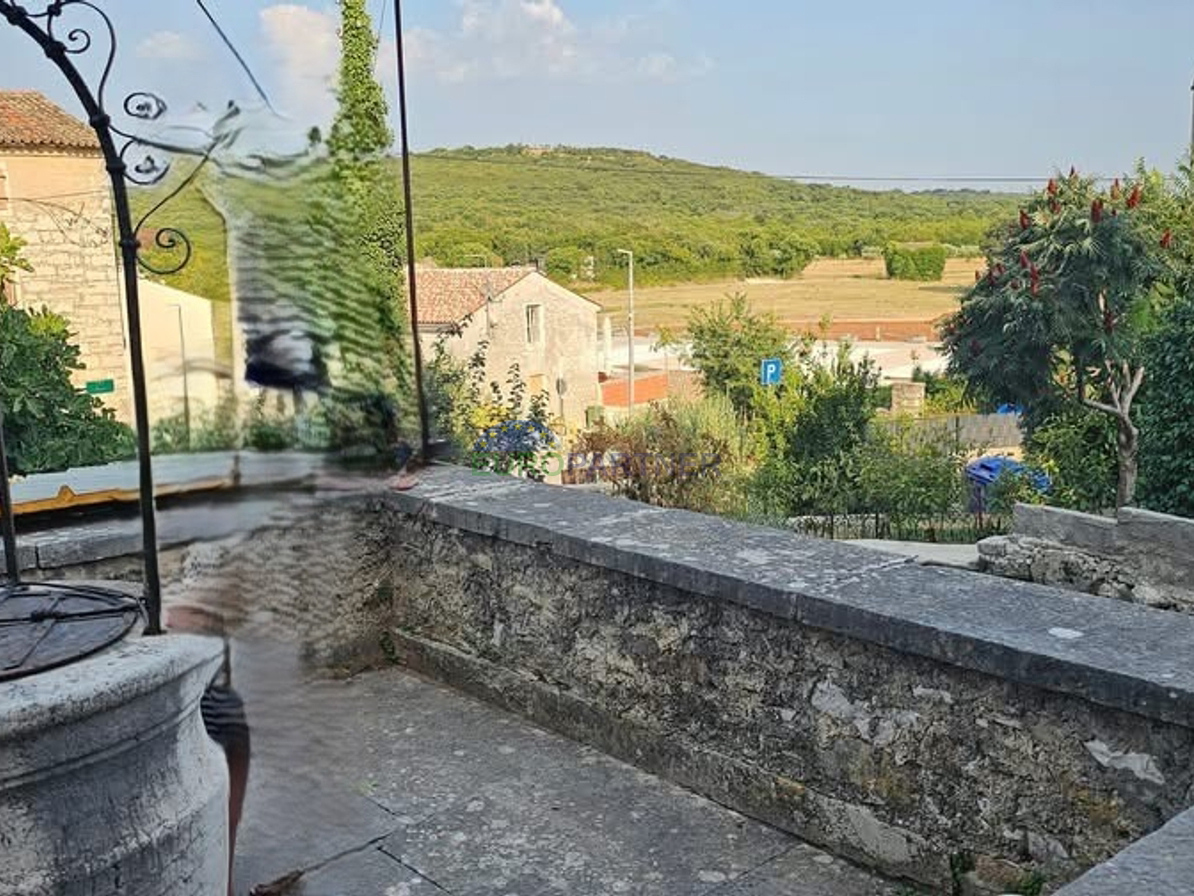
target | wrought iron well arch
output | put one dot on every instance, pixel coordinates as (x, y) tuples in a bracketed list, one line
[(66, 30)]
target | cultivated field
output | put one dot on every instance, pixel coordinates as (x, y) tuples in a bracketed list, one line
[(845, 290)]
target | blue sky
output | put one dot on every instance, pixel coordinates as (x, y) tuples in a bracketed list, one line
[(928, 88)]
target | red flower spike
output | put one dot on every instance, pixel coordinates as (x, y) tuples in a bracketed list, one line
[(1025, 221), (1108, 320), (1054, 206), (1052, 187), (1134, 198), (991, 277), (1036, 286), (1073, 172), (978, 276), (999, 269), (1166, 239), (1096, 211), (1024, 259)]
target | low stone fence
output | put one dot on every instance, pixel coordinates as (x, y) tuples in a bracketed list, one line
[(964, 732), (1137, 555), (934, 724)]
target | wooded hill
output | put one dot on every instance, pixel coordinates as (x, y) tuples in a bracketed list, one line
[(572, 208)]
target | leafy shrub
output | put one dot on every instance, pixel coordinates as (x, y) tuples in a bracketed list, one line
[(1012, 487), (1076, 448), (907, 474), (1167, 414), (515, 447), (924, 263), (212, 429), (687, 454), (945, 393), (729, 342), (268, 430), (478, 418), (50, 425)]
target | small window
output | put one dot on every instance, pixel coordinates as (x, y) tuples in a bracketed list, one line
[(534, 324)]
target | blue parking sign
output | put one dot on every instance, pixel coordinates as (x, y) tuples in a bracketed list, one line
[(771, 372)]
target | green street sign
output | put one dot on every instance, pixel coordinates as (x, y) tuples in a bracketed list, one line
[(100, 387)]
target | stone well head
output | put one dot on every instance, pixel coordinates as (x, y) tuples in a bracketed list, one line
[(108, 781)]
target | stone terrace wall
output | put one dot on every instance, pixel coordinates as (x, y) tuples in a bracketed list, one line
[(899, 715), (1137, 556)]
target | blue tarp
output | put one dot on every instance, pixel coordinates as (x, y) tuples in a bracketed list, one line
[(984, 471)]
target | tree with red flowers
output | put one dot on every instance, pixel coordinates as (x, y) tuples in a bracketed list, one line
[(1060, 311)]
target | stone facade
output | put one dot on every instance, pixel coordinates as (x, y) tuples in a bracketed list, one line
[(59, 202), (565, 348)]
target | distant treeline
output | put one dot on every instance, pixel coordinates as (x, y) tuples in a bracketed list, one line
[(571, 209)]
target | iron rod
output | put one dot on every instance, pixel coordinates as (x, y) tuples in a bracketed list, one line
[(8, 522), (424, 423)]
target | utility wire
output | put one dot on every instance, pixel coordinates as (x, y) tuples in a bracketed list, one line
[(236, 54)]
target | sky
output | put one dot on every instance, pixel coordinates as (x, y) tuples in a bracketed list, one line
[(926, 89)]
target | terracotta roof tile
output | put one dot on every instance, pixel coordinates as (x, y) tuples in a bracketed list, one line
[(30, 121), (448, 295)]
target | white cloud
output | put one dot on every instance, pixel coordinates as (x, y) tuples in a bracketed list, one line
[(305, 48), (493, 40), (507, 39), (170, 46)]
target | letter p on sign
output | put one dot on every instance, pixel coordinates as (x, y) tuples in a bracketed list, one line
[(771, 372)]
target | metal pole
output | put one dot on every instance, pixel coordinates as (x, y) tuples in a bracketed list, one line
[(186, 390), (8, 521), (424, 423), (630, 328)]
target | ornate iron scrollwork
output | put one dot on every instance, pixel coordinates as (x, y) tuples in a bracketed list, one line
[(133, 160)]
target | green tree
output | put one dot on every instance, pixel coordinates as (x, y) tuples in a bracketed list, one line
[(1167, 414), (12, 259), (50, 425), (1060, 314), (729, 342), (360, 215)]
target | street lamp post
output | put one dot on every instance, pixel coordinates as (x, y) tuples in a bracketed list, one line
[(186, 388), (630, 326)]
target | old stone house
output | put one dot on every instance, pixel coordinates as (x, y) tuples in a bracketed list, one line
[(549, 331), (54, 194)]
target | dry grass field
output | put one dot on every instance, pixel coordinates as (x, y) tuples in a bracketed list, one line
[(841, 289)]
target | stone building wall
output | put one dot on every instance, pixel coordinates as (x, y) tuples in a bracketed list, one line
[(568, 348), (61, 205)]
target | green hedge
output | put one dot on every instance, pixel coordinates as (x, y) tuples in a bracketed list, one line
[(926, 263)]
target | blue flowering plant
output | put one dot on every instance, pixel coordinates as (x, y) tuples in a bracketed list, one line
[(515, 447)]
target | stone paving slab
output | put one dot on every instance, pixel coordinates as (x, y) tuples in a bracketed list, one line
[(367, 873), (389, 785)]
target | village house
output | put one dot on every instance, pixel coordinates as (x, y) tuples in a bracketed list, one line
[(54, 194), (549, 331)]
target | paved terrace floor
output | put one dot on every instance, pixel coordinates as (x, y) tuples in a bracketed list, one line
[(385, 784)]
